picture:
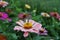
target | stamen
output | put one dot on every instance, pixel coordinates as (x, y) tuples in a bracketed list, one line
[(28, 25)]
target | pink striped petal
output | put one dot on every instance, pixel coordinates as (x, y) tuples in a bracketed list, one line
[(31, 21), (26, 34), (34, 31), (37, 26), (17, 28), (22, 22), (19, 23)]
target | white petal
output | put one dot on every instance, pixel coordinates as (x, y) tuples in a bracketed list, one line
[(31, 21), (22, 22), (19, 23)]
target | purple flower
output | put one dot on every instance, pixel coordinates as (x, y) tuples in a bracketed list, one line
[(4, 16)]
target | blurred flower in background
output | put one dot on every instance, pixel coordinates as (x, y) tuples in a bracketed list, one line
[(24, 15), (34, 11), (43, 31), (9, 19), (27, 6), (51, 39), (3, 3), (8, 10), (4, 16), (3, 37), (55, 14), (45, 14), (29, 26)]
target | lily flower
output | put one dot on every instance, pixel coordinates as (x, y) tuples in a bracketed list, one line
[(29, 26), (3, 3)]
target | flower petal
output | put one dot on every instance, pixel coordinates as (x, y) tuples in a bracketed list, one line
[(34, 31), (21, 28), (22, 22), (37, 26), (17, 28), (25, 34), (19, 23), (43, 34), (31, 21)]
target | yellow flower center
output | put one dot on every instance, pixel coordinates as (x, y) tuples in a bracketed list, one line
[(27, 25)]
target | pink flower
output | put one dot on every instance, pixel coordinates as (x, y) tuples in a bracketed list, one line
[(23, 15), (55, 14), (58, 17), (28, 26), (3, 3)]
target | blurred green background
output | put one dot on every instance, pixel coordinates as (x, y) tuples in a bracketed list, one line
[(43, 5), (40, 5)]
